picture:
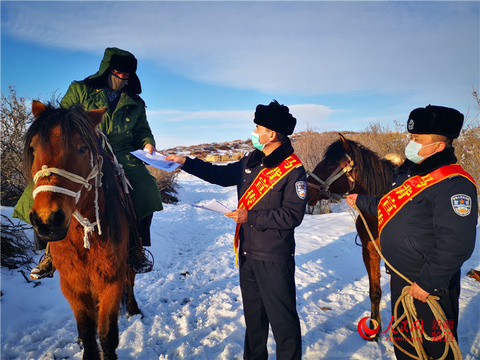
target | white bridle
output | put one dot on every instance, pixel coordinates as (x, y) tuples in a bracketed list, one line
[(337, 173), (95, 173)]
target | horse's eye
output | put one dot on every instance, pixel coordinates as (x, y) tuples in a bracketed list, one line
[(83, 149)]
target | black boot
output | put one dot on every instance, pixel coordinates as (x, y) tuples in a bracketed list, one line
[(44, 268)]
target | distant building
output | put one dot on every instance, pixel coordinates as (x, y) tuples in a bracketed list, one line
[(219, 158)]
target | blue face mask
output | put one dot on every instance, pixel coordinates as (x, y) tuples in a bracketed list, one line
[(412, 149), (256, 140)]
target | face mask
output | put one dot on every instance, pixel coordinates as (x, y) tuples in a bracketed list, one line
[(412, 149), (115, 83), (256, 140)]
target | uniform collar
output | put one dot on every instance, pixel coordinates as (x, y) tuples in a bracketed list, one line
[(445, 157), (257, 157)]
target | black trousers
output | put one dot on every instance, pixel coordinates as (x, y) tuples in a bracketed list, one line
[(143, 226), (449, 304), (269, 298)]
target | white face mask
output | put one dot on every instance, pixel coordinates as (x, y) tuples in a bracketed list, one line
[(115, 83), (256, 140), (412, 149)]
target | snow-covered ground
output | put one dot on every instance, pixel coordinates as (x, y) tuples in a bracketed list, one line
[(191, 301)]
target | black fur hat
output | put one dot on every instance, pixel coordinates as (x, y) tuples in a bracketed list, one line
[(435, 120), (121, 60), (275, 117), (123, 63)]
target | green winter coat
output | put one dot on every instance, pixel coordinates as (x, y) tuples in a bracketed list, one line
[(126, 128)]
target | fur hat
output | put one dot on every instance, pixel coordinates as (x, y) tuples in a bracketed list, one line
[(123, 63), (275, 117), (118, 59), (435, 120)]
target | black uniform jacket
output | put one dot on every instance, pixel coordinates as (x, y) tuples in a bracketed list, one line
[(427, 240), (269, 232)]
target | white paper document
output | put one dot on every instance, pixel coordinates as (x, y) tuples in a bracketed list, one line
[(214, 205), (156, 160)]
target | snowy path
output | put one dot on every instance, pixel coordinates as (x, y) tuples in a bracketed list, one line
[(191, 301)]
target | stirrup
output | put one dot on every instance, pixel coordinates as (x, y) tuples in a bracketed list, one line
[(146, 258)]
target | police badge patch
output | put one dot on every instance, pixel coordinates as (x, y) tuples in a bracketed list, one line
[(301, 187), (410, 124), (461, 204)]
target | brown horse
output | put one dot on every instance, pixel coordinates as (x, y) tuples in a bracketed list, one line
[(348, 167), (83, 220)]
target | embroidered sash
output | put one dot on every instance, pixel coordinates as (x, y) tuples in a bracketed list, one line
[(264, 181), (393, 201)]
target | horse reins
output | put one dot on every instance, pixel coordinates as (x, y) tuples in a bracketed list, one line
[(336, 174), (411, 314), (95, 173)]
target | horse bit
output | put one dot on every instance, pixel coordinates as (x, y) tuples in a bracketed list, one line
[(336, 174)]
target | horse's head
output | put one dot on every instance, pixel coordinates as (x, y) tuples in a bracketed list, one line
[(61, 152), (334, 175)]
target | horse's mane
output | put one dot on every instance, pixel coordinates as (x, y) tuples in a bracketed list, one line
[(75, 121), (70, 121), (374, 174)]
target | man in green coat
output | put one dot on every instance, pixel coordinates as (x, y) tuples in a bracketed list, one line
[(116, 86)]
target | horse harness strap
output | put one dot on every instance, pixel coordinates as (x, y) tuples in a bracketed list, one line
[(88, 227), (122, 183), (336, 174), (95, 173), (120, 171), (47, 171)]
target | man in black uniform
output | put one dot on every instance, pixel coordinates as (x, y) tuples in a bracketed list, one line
[(427, 234), (271, 186)]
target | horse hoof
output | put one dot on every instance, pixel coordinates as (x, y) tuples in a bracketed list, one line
[(134, 312)]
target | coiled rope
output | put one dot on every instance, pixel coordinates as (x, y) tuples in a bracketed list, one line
[(410, 313)]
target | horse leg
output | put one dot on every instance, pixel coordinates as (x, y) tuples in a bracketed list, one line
[(372, 264), (371, 260), (86, 327), (109, 340), (129, 296), (83, 310), (109, 306)]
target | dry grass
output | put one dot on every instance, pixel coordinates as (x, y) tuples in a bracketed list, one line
[(17, 249), (15, 118), (167, 184)]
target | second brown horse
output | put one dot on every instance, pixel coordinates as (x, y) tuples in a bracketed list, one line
[(348, 167)]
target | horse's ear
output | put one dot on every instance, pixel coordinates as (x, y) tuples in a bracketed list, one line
[(96, 115), (37, 108), (345, 143)]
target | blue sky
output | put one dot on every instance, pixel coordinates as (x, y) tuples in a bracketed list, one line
[(205, 65)]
